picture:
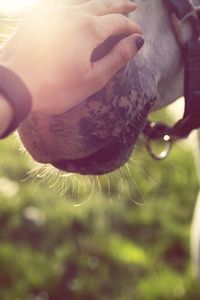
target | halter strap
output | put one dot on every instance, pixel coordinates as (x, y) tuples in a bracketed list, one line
[(180, 11), (180, 7)]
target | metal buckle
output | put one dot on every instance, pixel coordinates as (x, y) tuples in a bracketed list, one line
[(163, 154), (192, 16)]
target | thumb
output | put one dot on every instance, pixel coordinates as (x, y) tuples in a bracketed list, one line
[(116, 59)]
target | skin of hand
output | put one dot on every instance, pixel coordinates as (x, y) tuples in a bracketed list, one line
[(52, 46), (6, 114)]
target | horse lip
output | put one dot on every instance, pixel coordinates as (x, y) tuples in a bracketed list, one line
[(107, 159), (110, 157)]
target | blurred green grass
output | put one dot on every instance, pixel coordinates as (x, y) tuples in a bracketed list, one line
[(128, 240)]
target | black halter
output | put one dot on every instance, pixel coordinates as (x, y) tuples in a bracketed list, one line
[(181, 11)]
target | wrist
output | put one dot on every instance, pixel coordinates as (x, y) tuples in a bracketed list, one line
[(13, 58), (6, 114), (16, 100)]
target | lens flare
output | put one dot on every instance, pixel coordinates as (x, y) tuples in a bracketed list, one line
[(9, 6)]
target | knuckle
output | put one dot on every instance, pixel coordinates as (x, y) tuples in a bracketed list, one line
[(122, 5), (125, 23), (128, 24), (108, 4), (97, 29), (86, 22), (112, 4), (89, 25)]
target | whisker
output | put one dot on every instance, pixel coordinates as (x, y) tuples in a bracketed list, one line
[(145, 171)]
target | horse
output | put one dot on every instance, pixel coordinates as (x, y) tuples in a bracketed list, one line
[(98, 135)]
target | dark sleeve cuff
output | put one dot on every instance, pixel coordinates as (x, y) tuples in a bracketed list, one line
[(17, 94)]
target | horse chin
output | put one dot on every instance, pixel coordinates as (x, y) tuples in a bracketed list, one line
[(112, 155), (108, 159)]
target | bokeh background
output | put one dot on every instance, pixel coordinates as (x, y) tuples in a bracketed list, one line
[(122, 237)]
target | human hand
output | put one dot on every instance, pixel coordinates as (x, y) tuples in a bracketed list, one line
[(52, 47)]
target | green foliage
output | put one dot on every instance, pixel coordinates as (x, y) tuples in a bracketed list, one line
[(128, 240)]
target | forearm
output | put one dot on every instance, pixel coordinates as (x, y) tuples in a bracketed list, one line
[(6, 114)]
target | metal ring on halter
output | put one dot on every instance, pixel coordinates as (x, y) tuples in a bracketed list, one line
[(163, 154)]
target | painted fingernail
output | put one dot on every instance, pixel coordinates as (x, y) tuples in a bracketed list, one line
[(139, 42)]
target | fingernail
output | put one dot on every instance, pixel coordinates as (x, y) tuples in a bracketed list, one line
[(139, 42)]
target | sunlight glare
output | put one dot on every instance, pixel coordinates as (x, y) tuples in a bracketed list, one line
[(10, 6)]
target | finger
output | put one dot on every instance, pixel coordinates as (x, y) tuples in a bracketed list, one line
[(66, 2), (44, 2), (102, 7), (104, 69), (75, 2), (116, 24)]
